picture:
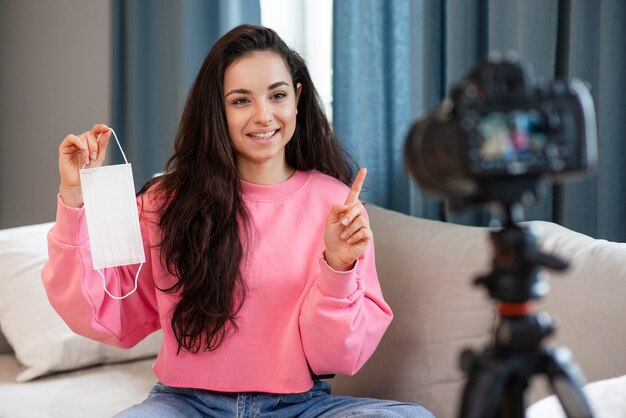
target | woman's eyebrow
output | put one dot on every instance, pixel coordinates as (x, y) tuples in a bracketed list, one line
[(238, 91), (244, 91), (277, 84)]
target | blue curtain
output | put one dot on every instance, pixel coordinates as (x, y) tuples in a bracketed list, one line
[(158, 46), (378, 89), (597, 54), (396, 60)]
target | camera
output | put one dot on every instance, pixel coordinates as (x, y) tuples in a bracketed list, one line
[(500, 132)]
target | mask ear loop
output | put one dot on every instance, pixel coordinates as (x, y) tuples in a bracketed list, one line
[(104, 284), (118, 144)]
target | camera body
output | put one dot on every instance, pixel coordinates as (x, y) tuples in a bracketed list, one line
[(499, 133)]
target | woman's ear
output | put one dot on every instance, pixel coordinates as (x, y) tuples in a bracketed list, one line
[(298, 91)]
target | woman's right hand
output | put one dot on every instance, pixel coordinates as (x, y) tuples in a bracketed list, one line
[(75, 152)]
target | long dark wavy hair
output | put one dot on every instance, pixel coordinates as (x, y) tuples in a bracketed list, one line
[(203, 214)]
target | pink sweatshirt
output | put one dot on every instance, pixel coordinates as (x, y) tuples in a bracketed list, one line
[(298, 311)]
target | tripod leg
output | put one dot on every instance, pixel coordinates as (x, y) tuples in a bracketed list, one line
[(566, 381), (484, 391), (513, 403)]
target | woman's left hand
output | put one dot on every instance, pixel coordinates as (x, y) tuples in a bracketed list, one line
[(347, 232)]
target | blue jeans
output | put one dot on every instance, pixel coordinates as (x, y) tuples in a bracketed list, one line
[(166, 401)]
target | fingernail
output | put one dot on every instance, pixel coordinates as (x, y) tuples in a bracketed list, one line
[(345, 221), (94, 155)]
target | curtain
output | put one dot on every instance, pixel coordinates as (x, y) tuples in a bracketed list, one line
[(158, 46), (380, 59), (597, 54), (395, 61)]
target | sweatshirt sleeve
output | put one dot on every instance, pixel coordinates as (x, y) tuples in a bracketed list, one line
[(344, 317), (75, 290)]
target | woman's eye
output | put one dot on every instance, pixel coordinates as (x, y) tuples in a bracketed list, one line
[(240, 100), (279, 95)]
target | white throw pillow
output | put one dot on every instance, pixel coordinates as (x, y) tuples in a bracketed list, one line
[(40, 339), (606, 397)]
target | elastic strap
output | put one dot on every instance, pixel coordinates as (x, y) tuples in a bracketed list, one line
[(118, 144), (104, 284)]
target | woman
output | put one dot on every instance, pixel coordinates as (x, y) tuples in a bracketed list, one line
[(259, 258)]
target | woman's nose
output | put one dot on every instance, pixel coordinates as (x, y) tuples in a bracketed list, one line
[(263, 113)]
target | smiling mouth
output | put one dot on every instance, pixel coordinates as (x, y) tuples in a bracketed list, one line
[(263, 135)]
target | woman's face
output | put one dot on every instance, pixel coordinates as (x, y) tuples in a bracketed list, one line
[(260, 104)]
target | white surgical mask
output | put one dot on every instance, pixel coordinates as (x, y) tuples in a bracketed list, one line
[(112, 217)]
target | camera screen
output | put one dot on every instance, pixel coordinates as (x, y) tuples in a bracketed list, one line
[(513, 141)]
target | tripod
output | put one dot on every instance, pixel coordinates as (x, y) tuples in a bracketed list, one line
[(500, 374)]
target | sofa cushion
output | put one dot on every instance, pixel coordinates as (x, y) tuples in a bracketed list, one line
[(41, 340), (426, 270)]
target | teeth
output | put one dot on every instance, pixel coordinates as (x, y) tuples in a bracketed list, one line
[(263, 135)]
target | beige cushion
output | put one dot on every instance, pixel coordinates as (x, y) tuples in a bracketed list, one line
[(426, 269)]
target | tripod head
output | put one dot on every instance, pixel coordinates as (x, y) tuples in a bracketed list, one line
[(516, 276)]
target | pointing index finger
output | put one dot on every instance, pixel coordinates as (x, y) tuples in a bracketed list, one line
[(355, 190)]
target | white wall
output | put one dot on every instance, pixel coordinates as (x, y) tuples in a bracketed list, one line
[(55, 77)]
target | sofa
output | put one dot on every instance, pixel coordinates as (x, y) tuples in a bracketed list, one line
[(426, 270)]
